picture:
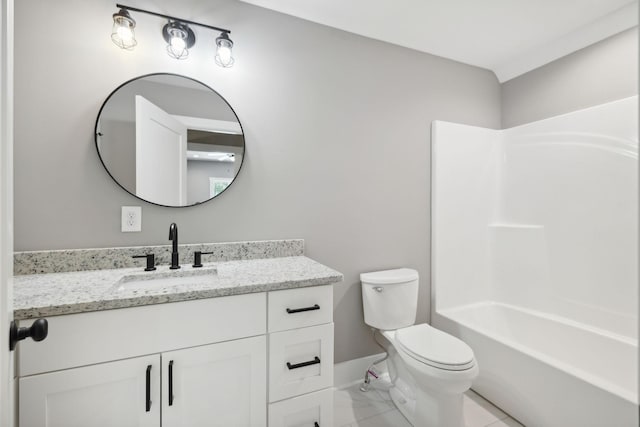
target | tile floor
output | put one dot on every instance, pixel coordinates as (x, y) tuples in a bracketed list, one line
[(353, 408)]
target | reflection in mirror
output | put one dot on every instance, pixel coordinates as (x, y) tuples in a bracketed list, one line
[(169, 140)]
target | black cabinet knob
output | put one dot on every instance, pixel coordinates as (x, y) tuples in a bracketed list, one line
[(37, 331)]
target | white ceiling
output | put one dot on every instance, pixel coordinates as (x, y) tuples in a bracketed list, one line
[(509, 37)]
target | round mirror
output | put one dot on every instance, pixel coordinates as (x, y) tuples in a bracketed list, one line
[(169, 140)]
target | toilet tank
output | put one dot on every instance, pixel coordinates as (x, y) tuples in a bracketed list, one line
[(390, 298)]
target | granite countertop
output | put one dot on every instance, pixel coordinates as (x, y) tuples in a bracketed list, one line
[(53, 294)]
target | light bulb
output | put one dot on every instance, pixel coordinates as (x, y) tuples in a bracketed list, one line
[(125, 33), (177, 44), (224, 53)]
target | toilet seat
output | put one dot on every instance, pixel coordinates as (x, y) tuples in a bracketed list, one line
[(435, 348)]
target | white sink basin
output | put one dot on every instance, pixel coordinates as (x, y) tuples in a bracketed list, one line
[(167, 279)]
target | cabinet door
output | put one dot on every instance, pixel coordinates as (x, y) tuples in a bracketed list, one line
[(215, 385), (124, 393)]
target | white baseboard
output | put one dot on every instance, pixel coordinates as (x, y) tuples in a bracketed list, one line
[(352, 371)]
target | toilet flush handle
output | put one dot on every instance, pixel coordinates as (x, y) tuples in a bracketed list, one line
[(378, 289)]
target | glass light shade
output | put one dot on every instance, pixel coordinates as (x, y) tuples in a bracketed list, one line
[(224, 55), (177, 46), (122, 34)]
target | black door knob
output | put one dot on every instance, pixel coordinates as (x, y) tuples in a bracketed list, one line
[(37, 331)]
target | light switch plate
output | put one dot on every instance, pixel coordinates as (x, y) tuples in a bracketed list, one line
[(131, 219)]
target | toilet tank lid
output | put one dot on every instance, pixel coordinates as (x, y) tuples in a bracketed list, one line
[(387, 277)]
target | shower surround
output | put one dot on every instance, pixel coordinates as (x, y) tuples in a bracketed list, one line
[(534, 261)]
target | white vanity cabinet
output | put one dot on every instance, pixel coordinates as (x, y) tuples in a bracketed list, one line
[(93, 364), (234, 361), (213, 385)]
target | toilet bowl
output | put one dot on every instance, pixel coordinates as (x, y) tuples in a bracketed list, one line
[(429, 369)]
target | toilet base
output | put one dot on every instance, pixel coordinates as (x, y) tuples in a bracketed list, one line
[(438, 410), (431, 412), (405, 405), (438, 402)]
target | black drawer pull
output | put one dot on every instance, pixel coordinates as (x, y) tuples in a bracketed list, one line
[(148, 389), (315, 361), (171, 383), (300, 310)]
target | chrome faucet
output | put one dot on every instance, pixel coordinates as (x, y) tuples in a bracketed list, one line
[(173, 236)]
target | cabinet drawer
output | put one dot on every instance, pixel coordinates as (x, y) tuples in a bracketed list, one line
[(306, 410), (299, 308), (300, 361)]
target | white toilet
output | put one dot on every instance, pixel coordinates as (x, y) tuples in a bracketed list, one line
[(429, 369)]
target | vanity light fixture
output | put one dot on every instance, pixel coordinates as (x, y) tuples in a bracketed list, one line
[(179, 37), (122, 34), (224, 57)]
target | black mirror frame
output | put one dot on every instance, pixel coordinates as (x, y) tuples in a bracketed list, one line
[(96, 134)]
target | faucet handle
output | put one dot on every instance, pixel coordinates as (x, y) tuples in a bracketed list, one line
[(151, 261), (197, 258)]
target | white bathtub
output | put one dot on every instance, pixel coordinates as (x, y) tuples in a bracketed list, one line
[(548, 371)]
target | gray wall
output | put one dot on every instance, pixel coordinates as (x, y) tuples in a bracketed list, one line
[(603, 72), (337, 134)]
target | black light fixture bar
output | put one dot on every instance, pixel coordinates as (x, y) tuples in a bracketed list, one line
[(173, 18)]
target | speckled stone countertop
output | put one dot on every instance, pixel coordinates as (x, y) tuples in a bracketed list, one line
[(54, 294), (66, 260)]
